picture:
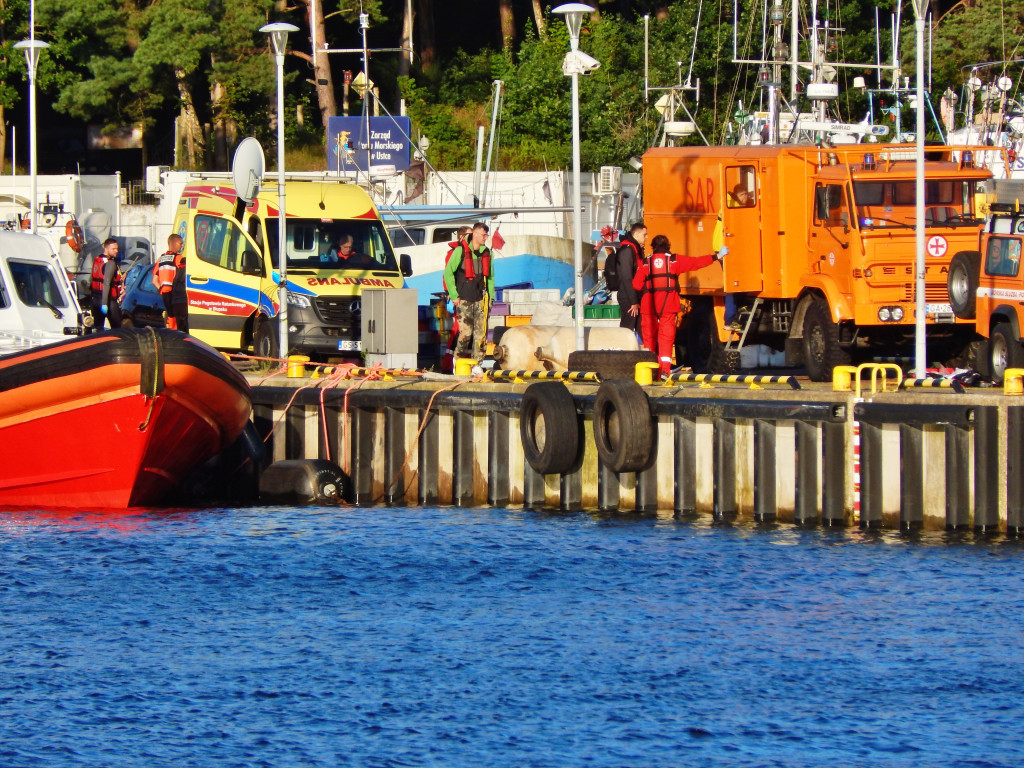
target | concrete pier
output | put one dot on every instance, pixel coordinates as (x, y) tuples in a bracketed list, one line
[(908, 459)]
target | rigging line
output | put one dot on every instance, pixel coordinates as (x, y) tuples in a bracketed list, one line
[(693, 49)]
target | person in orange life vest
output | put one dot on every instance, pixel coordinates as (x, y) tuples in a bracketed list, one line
[(461, 237), (470, 282), (107, 286), (629, 256), (657, 277), (169, 280)]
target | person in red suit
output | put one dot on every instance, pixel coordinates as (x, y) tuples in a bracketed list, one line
[(657, 279)]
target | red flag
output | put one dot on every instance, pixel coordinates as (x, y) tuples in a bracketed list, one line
[(497, 241)]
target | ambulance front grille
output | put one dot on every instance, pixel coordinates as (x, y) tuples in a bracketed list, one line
[(338, 309)]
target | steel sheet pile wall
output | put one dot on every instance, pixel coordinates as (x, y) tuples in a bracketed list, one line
[(752, 456)]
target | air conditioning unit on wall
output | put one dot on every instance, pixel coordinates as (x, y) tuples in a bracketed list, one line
[(609, 180)]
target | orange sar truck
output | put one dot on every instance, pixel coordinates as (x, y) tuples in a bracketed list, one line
[(821, 247)]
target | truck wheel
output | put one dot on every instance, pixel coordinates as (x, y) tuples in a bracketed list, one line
[(623, 428), (822, 352), (610, 363), (1004, 352), (962, 283), (702, 342), (265, 342), (549, 428), (724, 362)]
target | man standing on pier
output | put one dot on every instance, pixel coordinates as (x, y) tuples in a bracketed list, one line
[(469, 278)]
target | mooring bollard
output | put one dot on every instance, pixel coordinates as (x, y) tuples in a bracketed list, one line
[(297, 366), (464, 366), (644, 373)]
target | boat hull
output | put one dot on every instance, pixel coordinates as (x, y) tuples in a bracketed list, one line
[(113, 420)]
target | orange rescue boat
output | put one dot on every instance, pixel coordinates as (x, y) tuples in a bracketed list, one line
[(115, 419)]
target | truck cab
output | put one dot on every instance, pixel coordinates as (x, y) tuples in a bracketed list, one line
[(232, 265), (986, 286)]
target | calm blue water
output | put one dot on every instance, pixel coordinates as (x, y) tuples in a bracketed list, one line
[(453, 637)]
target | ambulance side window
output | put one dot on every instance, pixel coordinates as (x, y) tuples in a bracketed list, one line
[(220, 242), (4, 301)]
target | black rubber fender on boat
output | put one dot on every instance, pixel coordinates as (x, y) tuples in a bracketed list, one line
[(549, 428), (304, 481), (623, 426)]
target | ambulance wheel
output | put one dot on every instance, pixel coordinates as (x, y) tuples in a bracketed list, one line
[(549, 428), (623, 427), (1004, 352), (962, 283), (822, 352), (265, 342)]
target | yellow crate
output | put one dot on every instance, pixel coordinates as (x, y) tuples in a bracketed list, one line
[(511, 320)]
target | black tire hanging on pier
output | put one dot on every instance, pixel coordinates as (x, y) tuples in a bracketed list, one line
[(962, 283), (549, 428), (623, 427), (610, 363)]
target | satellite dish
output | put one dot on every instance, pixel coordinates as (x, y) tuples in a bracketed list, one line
[(1004, 83), (247, 169)]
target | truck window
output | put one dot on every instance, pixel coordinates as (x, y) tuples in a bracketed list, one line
[(741, 184), (1002, 257), (830, 205), (948, 202), (219, 241)]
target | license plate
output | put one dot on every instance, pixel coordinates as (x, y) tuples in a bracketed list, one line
[(938, 309), (347, 345)]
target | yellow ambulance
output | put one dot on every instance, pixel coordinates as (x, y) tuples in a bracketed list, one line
[(335, 246)]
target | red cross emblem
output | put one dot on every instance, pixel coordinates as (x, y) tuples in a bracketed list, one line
[(937, 246)]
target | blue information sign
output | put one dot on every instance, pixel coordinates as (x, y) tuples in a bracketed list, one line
[(388, 143)]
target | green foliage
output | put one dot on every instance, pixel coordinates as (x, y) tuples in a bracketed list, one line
[(126, 61)]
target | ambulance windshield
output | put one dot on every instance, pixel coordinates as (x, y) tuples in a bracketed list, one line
[(335, 244)]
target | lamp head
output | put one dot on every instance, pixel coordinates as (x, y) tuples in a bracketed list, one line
[(573, 13), (32, 49), (278, 33)]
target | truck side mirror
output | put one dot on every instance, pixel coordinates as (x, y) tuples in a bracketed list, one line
[(252, 264), (405, 264)]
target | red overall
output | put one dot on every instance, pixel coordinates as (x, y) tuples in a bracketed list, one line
[(659, 303)]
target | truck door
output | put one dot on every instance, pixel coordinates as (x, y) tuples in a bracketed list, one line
[(830, 234), (224, 272), (741, 228)]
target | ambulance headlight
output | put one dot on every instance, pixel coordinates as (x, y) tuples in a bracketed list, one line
[(298, 300)]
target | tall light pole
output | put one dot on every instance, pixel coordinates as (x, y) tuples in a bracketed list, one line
[(920, 352), (32, 49), (278, 34), (575, 64)]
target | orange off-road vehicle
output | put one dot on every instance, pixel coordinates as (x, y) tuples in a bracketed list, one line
[(986, 285)]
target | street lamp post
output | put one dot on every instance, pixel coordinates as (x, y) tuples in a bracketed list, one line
[(278, 34), (32, 49), (920, 352), (574, 64)]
